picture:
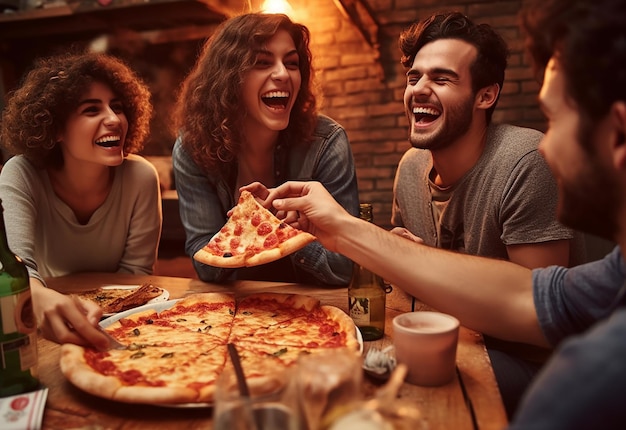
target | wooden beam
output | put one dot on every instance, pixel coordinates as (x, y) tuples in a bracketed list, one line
[(91, 18), (179, 34), (359, 13)]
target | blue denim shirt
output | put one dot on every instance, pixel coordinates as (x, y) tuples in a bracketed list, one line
[(205, 200)]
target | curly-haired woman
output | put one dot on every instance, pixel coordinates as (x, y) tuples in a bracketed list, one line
[(247, 113), (74, 197)]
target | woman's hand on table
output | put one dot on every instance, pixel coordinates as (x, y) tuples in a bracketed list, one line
[(66, 319)]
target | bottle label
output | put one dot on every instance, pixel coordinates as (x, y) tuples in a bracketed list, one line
[(360, 310), (18, 325), (26, 347), (16, 312)]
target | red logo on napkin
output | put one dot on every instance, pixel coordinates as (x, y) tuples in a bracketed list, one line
[(19, 403)]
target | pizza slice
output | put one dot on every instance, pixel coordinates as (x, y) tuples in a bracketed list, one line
[(264, 311), (266, 368), (208, 313), (326, 327), (153, 374), (251, 352), (251, 236)]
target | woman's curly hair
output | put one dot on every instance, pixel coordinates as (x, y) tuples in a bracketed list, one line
[(209, 114), (37, 111)]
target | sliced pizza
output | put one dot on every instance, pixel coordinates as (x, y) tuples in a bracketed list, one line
[(176, 355), (252, 236)]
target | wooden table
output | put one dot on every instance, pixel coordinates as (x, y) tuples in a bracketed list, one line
[(471, 401)]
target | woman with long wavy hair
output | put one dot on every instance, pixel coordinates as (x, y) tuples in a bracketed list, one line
[(247, 113)]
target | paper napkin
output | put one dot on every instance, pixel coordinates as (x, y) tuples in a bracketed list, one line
[(23, 411)]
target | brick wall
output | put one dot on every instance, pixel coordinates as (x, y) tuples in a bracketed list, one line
[(362, 85)]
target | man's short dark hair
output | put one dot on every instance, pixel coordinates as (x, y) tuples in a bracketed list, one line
[(589, 39)]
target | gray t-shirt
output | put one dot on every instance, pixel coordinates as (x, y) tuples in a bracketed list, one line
[(509, 197), (121, 236)]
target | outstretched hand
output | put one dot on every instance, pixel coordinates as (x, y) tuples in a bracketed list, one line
[(67, 319), (310, 207), (260, 193)]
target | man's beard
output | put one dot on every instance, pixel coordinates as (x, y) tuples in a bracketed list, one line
[(591, 204), (457, 123)]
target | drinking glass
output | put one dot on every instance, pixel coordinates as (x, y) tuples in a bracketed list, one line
[(327, 383), (258, 411)]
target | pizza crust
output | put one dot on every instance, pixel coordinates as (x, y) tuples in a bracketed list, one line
[(226, 299), (158, 395), (205, 257), (286, 248), (264, 257), (346, 325), (75, 368), (293, 301)]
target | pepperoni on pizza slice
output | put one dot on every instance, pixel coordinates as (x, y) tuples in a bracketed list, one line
[(251, 236)]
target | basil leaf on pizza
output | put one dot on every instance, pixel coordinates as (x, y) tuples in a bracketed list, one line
[(252, 236)]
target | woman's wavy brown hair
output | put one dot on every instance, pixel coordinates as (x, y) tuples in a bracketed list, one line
[(209, 114), (37, 112)]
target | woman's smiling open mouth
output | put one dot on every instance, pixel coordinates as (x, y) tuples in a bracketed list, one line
[(109, 141), (278, 100)]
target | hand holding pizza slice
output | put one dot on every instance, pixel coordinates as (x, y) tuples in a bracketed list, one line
[(252, 236)]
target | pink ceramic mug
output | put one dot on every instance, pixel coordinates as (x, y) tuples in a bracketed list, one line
[(426, 342)]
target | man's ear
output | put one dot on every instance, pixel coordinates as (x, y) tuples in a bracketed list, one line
[(487, 96), (618, 124)]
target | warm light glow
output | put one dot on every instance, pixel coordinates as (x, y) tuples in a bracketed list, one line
[(276, 6)]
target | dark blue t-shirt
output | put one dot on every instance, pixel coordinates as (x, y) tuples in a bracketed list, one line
[(582, 312)]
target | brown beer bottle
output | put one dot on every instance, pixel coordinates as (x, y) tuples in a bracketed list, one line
[(366, 294), (18, 331)]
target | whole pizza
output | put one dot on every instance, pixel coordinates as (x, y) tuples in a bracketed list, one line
[(176, 355)]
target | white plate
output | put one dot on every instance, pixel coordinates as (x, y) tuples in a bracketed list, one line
[(158, 299), (157, 306), (359, 338)]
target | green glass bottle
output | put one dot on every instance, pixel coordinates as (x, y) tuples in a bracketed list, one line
[(366, 294), (18, 330)]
